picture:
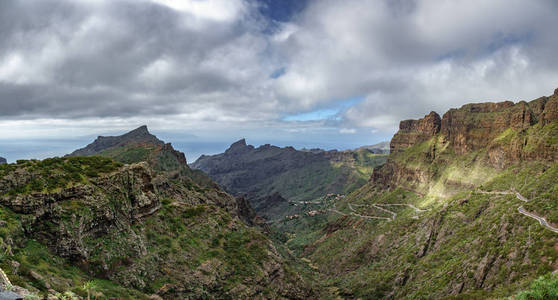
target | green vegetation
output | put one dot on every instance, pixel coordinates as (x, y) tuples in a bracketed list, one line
[(38, 269), (53, 174), (544, 288), (116, 236), (130, 153)]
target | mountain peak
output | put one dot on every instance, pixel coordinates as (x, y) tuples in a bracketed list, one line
[(239, 143), (142, 129), (237, 147), (139, 135)]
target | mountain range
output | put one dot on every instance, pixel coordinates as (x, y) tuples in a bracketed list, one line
[(464, 206), (287, 174)]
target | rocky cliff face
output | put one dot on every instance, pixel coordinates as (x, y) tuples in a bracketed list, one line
[(2, 160), (501, 133), (413, 132)]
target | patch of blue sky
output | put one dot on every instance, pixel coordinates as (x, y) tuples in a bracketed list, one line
[(329, 113), (455, 54), (502, 40), (281, 10), (317, 115), (278, 73)]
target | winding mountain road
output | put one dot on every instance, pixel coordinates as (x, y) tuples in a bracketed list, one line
[(354, 213), (522, 210), (541, 220), (418, 210), (378, 206), (393, 214)]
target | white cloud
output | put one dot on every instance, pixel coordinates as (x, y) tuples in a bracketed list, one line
[(347, 131), (409, 58), (216, 10)]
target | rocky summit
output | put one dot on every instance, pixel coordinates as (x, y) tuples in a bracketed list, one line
[(139, 135)]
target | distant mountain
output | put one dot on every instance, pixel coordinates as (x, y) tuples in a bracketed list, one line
[(139, 135), (380, 148), (270, 173), (3, 161)]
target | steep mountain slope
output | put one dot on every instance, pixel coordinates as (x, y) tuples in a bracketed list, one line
[(133, 230), (465, 207), (271, 176)]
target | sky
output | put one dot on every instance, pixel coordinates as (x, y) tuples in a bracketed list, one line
[(308, 73)]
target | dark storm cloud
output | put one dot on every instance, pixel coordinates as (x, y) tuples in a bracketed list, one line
[(93, 58)]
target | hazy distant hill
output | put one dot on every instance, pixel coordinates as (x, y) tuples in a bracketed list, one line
[(291, 174), (380, 148)]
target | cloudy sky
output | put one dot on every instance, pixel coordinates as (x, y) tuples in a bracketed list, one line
[(309, 73)]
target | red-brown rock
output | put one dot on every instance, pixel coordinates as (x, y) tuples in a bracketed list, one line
[(412, 132)]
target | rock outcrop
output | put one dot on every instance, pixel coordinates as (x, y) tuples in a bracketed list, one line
[(500, 133), (3, 161), (413, 132)]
